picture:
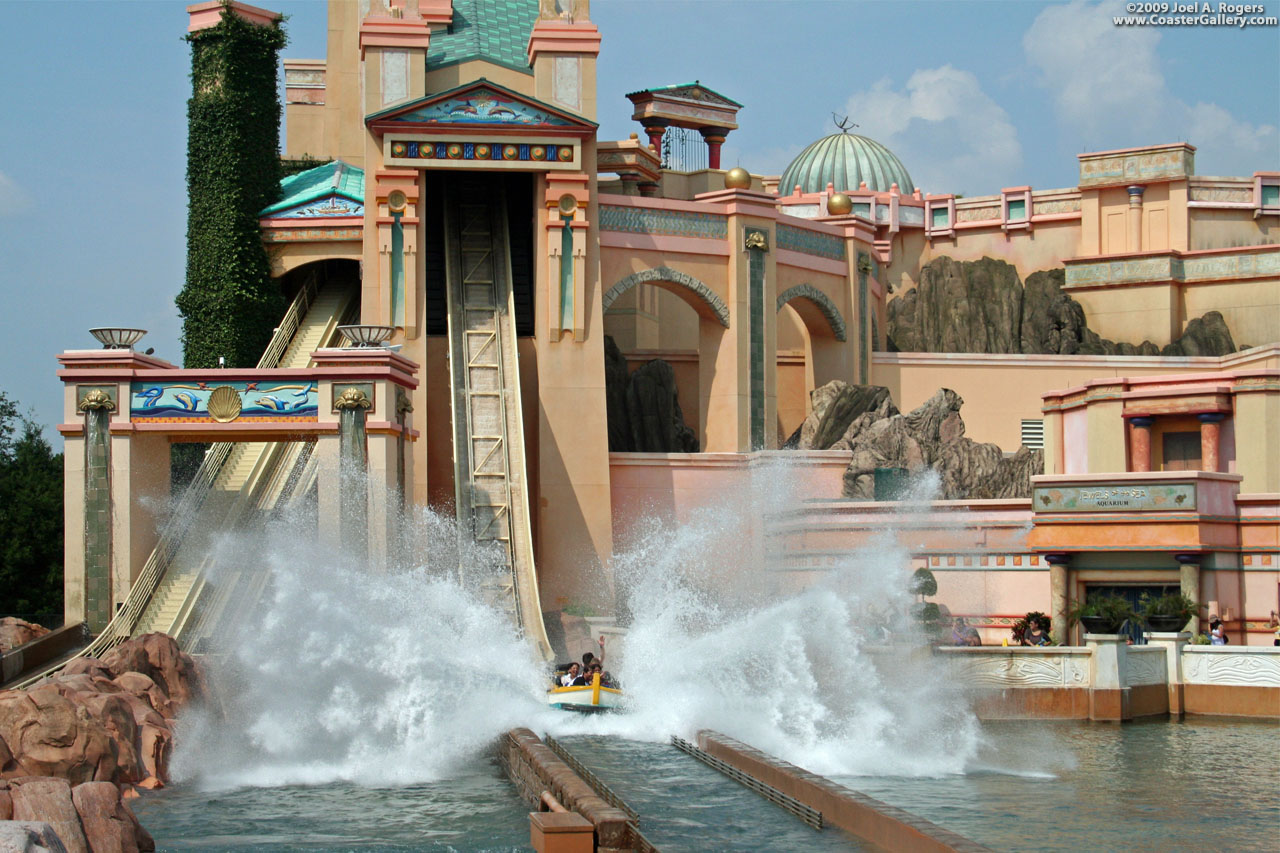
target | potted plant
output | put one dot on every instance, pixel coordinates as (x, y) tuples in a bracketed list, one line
[(1169, 612), (1019, 628), (1102, 614)]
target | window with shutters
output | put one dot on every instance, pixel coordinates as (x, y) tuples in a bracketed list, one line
[(1033, 433), (1180, 451)]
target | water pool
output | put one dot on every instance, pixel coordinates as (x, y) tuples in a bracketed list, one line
[(1202, 784)]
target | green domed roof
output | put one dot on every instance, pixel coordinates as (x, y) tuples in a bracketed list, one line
[(846, 160)]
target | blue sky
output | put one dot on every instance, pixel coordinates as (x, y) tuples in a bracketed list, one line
[(972, 96)]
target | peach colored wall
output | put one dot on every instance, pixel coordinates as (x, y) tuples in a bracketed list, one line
[(1250, 308), (989, 593), (793, 393), (673, 486), (1213, 229), (1043, 248), (999, 391)]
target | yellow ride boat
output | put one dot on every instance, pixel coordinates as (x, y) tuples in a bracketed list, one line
[(586, 698)]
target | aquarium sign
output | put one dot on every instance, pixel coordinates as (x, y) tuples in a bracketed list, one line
[(1112, 497)]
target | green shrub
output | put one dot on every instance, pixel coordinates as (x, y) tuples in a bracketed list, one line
[(230, 304)]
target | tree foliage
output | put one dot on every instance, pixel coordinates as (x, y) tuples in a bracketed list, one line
[(230, 304), (30, 516)]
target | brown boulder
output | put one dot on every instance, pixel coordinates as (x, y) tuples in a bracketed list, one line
[(49, 800), (47, 734), (29, 836), (6, 801), (16, 632), (143, 687), (158, 657), (86, 666), (932, 436), (109, 825), (116, 716), (833, 409)]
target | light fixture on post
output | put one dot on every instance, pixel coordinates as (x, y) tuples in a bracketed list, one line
[(362, 336), (113, 337)]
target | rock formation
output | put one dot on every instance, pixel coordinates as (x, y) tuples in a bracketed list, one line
[(1207, 335), (864, 420), (833, 409), (16, 632), (983, 307), (644, 407), (42, 813), (108, 720)]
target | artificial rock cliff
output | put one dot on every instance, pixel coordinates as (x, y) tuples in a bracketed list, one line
[(644, 407), (108, 720), (863, 419), (984, 307)]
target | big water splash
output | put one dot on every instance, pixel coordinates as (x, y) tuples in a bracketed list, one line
[(404, 676), (836, 678)]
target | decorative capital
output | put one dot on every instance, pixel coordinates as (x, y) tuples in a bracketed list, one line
[(95, 399), (403, 403), (1211, 417), (1142, 421), (757, 240), (1189, 558), (352, 398), (1057, 559)]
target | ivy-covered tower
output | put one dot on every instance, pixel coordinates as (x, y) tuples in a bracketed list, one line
[(230, 304)]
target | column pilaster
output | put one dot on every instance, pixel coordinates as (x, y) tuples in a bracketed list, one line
[(1134, 217), (1189, 582), (1140, 443), (1210, 438)]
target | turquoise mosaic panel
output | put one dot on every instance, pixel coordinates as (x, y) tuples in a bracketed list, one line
[(97, 520), (1169, 267), (666, 223), (756, 376), (810, 242), (188, 402)]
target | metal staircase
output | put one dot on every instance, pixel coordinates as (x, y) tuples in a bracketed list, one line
[(491, 490), (229, 481), (237, 487)]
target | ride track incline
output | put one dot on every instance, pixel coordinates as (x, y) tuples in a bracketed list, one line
[(235, 484), (490, 479)]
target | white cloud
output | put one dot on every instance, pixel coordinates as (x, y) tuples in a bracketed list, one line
[(13, 199), (1109, 89), (951, 135)]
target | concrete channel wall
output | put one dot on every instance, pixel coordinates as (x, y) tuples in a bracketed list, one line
[(1108, 680), (534, 768), (866, 818)]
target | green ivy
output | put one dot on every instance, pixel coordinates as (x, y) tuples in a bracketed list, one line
[(230, 304)]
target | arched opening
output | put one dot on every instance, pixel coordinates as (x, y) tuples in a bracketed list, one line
[(795, 371), (658, 322), (812, 350)]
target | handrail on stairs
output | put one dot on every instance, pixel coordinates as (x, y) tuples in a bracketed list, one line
[(121, 626)]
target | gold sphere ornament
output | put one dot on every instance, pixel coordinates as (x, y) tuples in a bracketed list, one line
[(839, 205), (737, 178), (396, 201)]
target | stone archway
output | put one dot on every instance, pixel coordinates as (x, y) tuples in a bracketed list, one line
[(819, 301), (702, 298)]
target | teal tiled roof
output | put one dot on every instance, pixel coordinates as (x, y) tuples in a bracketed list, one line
[(846, 160), (321, 182), (493, 30)]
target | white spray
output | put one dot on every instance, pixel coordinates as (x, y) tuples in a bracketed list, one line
[(405, 676)]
